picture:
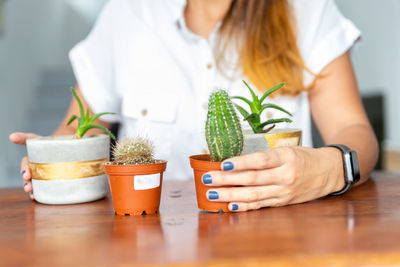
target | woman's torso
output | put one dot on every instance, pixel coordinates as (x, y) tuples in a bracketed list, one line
[(142, 62), (164, 75)]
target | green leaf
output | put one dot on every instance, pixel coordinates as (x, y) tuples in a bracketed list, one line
[(96, 116), (253, 95), (79, 103), (85, 128), (242, 111), (253, 117), (245, 114), (272, 121), (270, 91), (245, 100), (275, 107), (254, 121), (73, 117), (87, 116), (85, 121), (254, 127)]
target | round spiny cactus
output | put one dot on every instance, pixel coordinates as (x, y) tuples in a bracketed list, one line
[(134, 151), (223, 131)]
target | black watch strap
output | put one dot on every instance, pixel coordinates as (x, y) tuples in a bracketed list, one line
[(350, 168), (346, 188)]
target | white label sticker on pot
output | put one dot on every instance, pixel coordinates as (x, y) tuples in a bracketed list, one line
[(143, 182)]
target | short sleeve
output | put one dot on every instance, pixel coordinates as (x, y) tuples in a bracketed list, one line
[(92, 63), (323, 32)]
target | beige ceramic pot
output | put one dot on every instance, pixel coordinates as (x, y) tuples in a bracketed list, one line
[(68, 171), (275, 138)]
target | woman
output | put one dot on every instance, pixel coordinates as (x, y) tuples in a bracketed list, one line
[(155, 63)]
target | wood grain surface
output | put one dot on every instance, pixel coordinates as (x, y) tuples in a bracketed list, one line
[(360, 228)]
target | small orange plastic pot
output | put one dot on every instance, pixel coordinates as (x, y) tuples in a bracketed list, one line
[(202, 164), (136, 189)]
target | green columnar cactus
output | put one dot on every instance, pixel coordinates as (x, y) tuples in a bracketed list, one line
[(133, 151), (223, 131)]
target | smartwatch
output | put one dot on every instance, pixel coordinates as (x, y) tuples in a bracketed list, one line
[(351, 169)]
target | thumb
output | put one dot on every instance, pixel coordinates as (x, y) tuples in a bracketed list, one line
[(20, 138)]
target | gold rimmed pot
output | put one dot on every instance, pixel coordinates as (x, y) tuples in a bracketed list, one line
[(68, 171), (274, 138)]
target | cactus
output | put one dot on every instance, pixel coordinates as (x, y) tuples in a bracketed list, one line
[(134, 151), (223, 131)]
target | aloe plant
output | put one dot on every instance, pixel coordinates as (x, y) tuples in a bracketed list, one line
[(257, 107), (85, 122)]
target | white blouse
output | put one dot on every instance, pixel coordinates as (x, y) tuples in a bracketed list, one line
[(142, 62)]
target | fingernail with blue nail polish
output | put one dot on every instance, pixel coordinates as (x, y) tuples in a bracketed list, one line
[(235, 207), (207, 179), (227, 166), (23, 172), (212, 195), (25, 184)]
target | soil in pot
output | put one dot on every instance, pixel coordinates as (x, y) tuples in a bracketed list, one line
[(68, 171), (201, 164), (136, 189)]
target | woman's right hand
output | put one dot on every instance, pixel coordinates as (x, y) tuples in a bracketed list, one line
[(20, 139)]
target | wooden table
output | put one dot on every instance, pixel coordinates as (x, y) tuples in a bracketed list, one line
[(362, 227)]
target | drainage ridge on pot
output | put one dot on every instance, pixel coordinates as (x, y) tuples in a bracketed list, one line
[(68, 171), (135, 177)]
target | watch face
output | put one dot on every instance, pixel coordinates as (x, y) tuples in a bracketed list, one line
[(355, 166)]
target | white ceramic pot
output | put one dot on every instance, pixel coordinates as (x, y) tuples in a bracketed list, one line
[(274, 138), (68, 171)]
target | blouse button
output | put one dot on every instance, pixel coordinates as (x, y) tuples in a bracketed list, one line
[(144, 112), (209, 66)]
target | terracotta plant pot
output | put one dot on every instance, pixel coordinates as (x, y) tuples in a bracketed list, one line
[(136, 189), (252, 143), (68, 171), (275, 138), (202, 164)]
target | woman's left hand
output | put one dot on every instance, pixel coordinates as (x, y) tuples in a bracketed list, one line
[(276, 177)]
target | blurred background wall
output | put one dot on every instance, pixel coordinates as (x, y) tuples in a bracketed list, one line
[(377, 65), (35, 73)]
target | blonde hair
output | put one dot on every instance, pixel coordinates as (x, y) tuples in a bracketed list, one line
[(262, 32)]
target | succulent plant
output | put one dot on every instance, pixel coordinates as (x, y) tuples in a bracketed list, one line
[(85, 122), (134, 151), (223, 131), (257, 107)]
